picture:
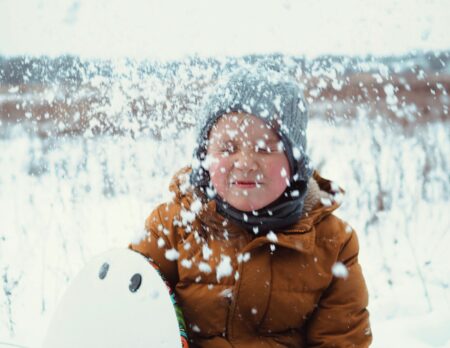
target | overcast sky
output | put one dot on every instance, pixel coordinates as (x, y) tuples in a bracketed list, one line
[(166, 29)]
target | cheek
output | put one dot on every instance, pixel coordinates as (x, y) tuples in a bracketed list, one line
[(219, 171), (273, 169)]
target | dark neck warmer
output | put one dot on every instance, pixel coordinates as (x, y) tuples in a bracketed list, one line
[(281, 213)]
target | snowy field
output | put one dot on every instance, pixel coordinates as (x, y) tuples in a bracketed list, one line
[(65, 200)]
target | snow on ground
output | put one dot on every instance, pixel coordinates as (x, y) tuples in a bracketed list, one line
[(65, 200)]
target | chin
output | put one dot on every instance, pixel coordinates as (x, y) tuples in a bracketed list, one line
[(244, 206)]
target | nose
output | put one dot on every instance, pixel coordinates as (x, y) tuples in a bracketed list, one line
[(245, 160)]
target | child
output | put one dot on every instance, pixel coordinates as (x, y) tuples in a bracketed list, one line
[(249, 241)]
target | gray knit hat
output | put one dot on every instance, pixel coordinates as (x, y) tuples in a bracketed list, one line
[(269, 95)]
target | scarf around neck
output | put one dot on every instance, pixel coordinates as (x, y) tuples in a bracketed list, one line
[(283, 212)]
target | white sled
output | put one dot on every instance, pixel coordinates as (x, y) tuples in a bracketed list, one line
[(117, 301)]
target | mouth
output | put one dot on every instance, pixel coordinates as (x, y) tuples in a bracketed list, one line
[(245, 184)]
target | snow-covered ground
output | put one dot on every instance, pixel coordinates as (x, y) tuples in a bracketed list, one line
[(65, 200)]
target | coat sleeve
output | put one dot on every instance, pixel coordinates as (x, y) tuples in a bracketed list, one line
[(159, 245), (341, 318)]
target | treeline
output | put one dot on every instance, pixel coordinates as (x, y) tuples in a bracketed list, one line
[(72, 70)]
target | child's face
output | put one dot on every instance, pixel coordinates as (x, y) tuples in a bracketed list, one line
[(247, 164)]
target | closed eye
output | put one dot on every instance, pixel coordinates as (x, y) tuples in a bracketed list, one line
[(228, 147), (266, 149), (263, 149)]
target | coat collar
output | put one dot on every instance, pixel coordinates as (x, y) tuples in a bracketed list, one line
[(322, 198)]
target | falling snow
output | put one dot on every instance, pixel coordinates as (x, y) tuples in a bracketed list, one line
[(339, 270), (171, 254), (89, 150), (224, 269)]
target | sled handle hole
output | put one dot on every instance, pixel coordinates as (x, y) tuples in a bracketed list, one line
[(103, 270), (135, 282)]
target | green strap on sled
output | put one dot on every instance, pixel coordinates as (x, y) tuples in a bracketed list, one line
[(178, 311)]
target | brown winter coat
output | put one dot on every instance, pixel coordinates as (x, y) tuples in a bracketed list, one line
[(241, 290)]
